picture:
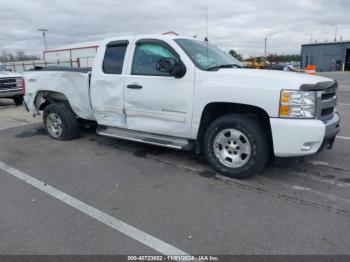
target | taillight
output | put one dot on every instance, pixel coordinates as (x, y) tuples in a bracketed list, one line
[(23, 87)]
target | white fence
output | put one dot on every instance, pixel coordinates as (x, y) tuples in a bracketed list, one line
[(22, 66)]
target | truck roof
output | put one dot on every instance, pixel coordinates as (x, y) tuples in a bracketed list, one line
[(156, 36), (97, 43)]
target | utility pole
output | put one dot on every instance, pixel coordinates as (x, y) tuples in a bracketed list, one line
[(336, 32), (43, 31), (265, 54)]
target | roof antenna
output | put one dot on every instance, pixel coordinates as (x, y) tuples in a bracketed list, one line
[(206, 39), (206, 24)]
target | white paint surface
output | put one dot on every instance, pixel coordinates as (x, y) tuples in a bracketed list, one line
[(174, 106)]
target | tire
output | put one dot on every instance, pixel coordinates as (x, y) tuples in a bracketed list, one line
[(234, 160), (18, 100), (60, 122)]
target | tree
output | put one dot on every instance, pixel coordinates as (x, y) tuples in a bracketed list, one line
[(236, 55), (18, 56), (274, 58)]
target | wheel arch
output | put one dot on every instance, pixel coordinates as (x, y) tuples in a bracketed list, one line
[(214, 110), (44, 98)]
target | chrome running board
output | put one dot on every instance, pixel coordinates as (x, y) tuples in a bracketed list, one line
[(144, 137)]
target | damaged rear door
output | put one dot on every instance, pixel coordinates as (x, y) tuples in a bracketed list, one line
[(107, 83)]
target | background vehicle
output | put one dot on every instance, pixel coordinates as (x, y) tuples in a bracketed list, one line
[(11, 85), (255, 63), (187, 94)]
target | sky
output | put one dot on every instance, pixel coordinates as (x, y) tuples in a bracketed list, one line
[(232, 24)]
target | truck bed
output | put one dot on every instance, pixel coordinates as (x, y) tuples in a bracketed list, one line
[(73, 83)]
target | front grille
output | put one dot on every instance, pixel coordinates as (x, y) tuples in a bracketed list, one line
[(325, 104), (326, 96), (327, 112), (9, 84)]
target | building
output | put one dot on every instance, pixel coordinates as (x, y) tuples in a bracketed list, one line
[(81, 54), (328, 56)]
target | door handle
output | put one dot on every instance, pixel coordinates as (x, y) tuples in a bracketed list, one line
[(134, 86)]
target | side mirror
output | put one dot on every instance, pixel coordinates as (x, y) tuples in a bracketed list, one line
[(172, 66)]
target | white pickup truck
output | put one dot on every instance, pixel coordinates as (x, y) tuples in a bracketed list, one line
[(187, 94), (11, 85)]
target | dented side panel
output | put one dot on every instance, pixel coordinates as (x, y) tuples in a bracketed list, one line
[(72, 85)]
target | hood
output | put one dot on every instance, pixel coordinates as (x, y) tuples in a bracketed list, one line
[(266, 78), (4, 74)]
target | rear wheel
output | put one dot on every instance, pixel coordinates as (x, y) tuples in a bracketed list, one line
[(236, 146), (18, 100), (60, 122)]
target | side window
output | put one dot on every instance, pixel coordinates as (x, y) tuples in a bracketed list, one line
[(146, 58), (114, 59)]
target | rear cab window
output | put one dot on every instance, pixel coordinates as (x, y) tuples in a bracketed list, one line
[(113, 60)]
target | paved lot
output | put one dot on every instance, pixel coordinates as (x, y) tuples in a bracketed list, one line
[(294, 208)]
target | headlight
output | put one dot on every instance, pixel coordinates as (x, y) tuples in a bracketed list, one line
[(297, 104)]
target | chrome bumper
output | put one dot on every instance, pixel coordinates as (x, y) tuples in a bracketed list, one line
[(10, 93)]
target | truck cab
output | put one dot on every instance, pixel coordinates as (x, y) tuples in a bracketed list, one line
[(187, 94)]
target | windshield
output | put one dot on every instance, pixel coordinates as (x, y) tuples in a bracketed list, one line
[(206, 56), (2, 68)]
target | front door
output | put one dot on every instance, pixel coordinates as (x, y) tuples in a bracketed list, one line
[(156, 102)]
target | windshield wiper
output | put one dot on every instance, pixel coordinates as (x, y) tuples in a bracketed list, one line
[(224, 66)]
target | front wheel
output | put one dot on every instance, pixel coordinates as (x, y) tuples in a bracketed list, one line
[(60, 122), (236, 146)]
